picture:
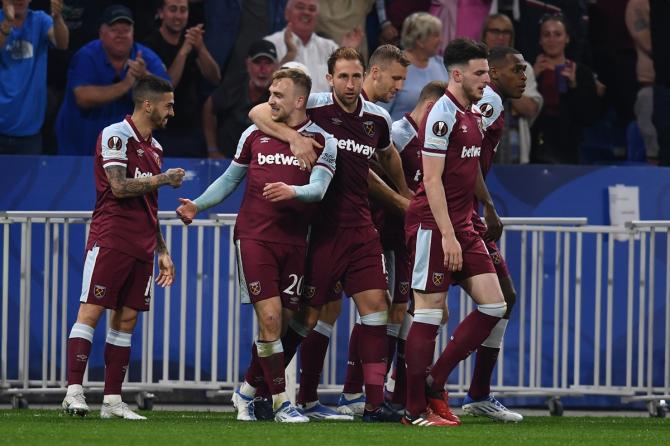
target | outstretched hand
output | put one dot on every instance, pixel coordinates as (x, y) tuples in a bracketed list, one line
[(187, 211)]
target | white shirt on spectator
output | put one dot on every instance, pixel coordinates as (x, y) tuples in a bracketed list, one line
[(314, 55)]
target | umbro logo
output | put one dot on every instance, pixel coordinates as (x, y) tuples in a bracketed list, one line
[(265, 140)]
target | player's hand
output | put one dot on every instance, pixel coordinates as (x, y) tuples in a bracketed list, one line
[(165, 270), (56, 8), (175, 176), (453, 256), (8, 10), (278, 192), (389, 34), (138, 67), (187, 211), (303, 148), (494, 226), (353, 38)]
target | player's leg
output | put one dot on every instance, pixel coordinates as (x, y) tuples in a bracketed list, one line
[(105, 272), (398, 379), (473, 330), (479, 400), (78, 350), (312, 356), (117, 358), (430, 283)]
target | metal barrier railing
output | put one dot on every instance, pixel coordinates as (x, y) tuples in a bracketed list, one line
[(559, 265)]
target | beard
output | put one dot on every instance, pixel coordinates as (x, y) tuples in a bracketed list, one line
[(158, 122)]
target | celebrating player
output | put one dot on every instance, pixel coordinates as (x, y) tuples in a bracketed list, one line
[(508, 80), (120, 249), (271, 231), (443, 244), (345, 252)]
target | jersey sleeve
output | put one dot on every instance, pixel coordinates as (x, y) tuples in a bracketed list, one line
[(402, 134), (385, 136), (490, 106), (113, 143), (319, 99), (243, 154), (328, 156), (439, 124)]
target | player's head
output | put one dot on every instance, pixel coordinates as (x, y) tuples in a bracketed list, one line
[(302, 15), (387, 72), (173, 15), (154, 98), (554, 35), (288, 94), (507, 70), (430, 93), (261, 63), (498, 30), (116, 31), (346, 68), (468, 68), (421, 32)]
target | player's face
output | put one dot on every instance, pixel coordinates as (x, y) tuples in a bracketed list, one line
[(475, 76), (283, 99), (511, 77), (174, 15), (301, 15), (260, 71), (117, 38), (161, 110), (498, 33), (390, 80), (553, 38), (347, 81)]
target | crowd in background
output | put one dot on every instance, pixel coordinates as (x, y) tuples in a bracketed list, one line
[(597, 85)]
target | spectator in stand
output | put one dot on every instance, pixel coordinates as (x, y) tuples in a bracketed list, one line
[(461, 18), (570, 98), (100, 79), (24, 39), (189, 62), (520, 113), (637, 21), (659, 15), (225, 113), (420, 38), (300, 43)]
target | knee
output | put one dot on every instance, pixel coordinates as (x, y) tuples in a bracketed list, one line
[(127, 323), (309, 318), (270, 324), (89, 314), (445, 315)]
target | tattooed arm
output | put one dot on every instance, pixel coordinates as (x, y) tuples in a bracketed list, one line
[(123, 187)]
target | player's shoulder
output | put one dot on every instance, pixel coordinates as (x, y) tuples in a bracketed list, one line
[(490, 106), (444, 109), (321, 99), (312, 127), (403, 132), (377, 110), (490, 97), (120, 130)]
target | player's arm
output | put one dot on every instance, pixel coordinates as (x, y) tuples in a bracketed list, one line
[(302, 147), (392, 165), (218, 191), (384, 195), (123, 187), (494, 226), (165, 265), (433, 167), (319, 179)]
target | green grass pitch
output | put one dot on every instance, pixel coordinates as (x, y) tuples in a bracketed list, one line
[(50, 427)]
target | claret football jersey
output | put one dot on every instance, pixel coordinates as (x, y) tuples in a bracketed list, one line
[(270, 160), (454, 133), (128, 224), (359, 135)]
